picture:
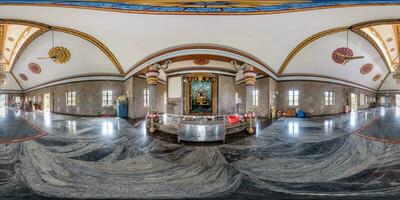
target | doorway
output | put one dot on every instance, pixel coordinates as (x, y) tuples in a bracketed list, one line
[(398, 100), (46, 102), (2, 100), (353, 102)]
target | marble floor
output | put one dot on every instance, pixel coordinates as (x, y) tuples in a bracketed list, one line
[(334, 157)]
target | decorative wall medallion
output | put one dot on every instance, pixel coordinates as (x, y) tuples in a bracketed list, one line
[(392, 49), (59, 55), (377, 77), (389, 39), (35, 68), (340, 54), (201, 62), (365, 69), (11, 39), (23, 77)]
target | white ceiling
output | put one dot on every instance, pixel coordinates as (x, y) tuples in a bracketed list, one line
[(316, 59), (133, 37), (85, 59), (390, 84), (11, 83)]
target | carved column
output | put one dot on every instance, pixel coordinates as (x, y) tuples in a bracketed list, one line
[(152, 78), (249, 80)]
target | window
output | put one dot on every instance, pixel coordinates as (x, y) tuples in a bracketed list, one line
[(165, 98), (146, 97), (293, 97), (34, 99), (107, 98), (362, 99), (236, 97), (17, 99), (70, 98), (255, 97), (366, 99), (382, 100), (329, 98)]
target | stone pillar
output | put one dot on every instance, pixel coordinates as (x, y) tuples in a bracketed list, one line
[(249, 80), (152, 78)]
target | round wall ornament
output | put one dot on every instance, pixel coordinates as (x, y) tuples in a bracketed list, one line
[(339, 54), (23, 77), (35, 68), (365, 69)]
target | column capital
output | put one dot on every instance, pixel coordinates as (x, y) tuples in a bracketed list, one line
[(249, 75), (152, 75)]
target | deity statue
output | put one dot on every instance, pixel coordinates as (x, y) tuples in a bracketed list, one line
[(201, 98)]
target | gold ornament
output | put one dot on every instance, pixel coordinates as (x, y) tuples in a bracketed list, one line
[(59, 55)]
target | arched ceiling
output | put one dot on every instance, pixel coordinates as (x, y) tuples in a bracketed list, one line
[(12, 38), (316, 60), (86, 59), (269, 39)]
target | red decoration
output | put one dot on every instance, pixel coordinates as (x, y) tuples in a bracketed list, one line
[(233, 119), (365, 69), (23, 77), (201, 62), (35, 68), (338, 54)]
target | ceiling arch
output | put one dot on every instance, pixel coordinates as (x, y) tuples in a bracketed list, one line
[(316, 60), (201, 49), (43, 28), (86, 59), (133, 37)]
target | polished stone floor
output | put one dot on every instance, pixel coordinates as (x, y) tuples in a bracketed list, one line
[(107, 158), (14, 128)]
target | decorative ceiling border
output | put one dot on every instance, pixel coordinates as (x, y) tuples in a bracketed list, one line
[(176, 10), (383, 80), (306, 42), (374, 44), (95, 42), (81, 77), (326, 77), (15, 78), (43, 28), (200, 47)]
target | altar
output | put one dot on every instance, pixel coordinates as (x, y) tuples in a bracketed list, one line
[(194, 128), (205, 109)]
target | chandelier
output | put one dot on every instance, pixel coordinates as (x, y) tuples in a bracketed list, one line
[(2, 75)]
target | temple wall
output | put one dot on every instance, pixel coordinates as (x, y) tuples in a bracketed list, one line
[(271, 92), (311, 97), (88, 97), (134, 88), (390, 99), (226, 95)]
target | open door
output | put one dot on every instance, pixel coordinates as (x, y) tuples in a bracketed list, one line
[(46, 102), (353, 102)]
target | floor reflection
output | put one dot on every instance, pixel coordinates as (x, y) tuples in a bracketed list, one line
[(99, 158)]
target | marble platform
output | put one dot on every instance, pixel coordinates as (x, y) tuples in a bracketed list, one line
[(107, 158)]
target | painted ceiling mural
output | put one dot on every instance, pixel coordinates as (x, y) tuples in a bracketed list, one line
[(205, 6)]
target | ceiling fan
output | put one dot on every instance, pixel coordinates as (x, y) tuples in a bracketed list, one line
[(347, 58), (57, 54)]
